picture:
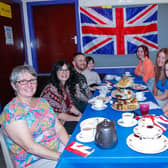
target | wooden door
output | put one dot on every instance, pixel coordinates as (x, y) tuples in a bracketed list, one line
[(54, 27)]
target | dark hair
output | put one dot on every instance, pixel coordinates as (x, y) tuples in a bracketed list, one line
[(89, 58), (56, 82), (76, 54), (145, 49)]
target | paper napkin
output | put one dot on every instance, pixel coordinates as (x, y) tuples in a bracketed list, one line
[(79, 149), (152, 105)]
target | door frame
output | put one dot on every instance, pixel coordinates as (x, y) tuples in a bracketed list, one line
[(31, 49)]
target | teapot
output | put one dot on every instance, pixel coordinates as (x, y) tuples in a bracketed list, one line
[(106, 136)]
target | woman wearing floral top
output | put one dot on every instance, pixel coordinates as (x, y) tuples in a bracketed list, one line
[(33, 134)]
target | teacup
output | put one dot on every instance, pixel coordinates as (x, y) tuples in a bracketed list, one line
[(127, 118), (139, 95), (127, 74), (98, 103), (87, 131), (117, 78), (109, 77)]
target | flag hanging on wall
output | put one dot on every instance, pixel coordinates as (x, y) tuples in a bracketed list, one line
[(118, 31)]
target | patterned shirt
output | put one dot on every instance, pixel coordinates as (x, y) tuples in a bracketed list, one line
[(56, 100), (83, 92), (41, 122)]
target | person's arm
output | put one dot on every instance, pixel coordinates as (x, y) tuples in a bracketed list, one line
[(148, 70), (74, 110), (64, 137), (155, 89), (19, 132), (162, 96), (68, 117), (138, 69)]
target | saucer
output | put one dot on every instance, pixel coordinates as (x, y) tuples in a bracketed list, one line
[(121, 123), (147, 146), (99, 108), (81, 139), (141, 99)]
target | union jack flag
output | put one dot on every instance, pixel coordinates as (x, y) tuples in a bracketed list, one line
[(118, 31)]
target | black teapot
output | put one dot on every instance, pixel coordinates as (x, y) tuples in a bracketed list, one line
[(106, 136)]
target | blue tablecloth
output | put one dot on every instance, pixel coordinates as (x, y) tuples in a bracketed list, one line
[(121, 155)]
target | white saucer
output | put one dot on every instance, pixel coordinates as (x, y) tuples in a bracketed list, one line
[(99, 108), (121, 123), (81, 139), (150, 147), (141, 99)]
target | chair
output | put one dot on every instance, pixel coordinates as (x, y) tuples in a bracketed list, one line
[(5, 151)]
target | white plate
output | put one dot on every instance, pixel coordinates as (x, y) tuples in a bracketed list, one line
[(137, 86), (144, 131), (81, 139), (99, 108), (92, 121), (151, 147), (121, 123)]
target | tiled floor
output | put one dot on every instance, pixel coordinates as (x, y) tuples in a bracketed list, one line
[(2, 161)]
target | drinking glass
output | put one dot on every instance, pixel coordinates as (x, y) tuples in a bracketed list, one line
[(144, 108)]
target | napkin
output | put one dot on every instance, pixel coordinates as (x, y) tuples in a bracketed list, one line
[(159, 121), (110, 82), (152, 105), (79, 149)]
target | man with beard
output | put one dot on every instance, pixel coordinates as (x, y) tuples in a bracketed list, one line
[(83, 93)]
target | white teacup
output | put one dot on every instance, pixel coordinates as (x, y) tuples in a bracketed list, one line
[(127, 74), (127, 118), (98, 103), (139, 95), (87, 131), (117, 78)]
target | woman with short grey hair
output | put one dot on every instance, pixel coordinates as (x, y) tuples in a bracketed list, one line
[(33, 134)]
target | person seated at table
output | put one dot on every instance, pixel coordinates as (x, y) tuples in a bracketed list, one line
[(165, 108), (160, 89), (83, 93), (33, 134), (92, 77), (58, 94), (145, 67)]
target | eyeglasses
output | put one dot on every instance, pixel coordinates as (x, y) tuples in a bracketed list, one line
[(25, 82), (63, 70)]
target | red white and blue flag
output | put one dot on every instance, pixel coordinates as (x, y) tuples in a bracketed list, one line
[(118, 31)]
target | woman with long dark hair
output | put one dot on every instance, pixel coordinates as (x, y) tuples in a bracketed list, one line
[(58, 93)]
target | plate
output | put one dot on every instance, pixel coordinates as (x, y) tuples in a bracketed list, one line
[(123, 94), (121, 123), (148, 147), (124, 83), (149, 131), (105, 99), (137, 86), (81, 139), (92, 121), (99, 108)]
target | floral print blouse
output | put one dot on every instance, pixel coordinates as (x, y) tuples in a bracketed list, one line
[(40, 120)]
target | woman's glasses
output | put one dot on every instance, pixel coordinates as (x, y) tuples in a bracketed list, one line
[(63, 70), (25, 82)]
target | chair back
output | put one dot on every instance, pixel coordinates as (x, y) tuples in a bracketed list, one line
[(5, 151)]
